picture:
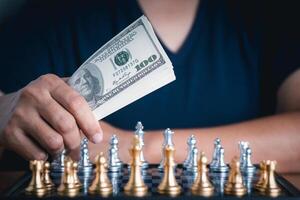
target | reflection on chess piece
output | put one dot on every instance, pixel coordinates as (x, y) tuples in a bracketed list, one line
[(169, 184), (36, 185), (135, 185), (234, 184), (101, 184), (69, 185), (202, 185), (47, 180), (269, 186), (262, 174)]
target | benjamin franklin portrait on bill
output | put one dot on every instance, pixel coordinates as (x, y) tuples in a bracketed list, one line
[(88, 82)]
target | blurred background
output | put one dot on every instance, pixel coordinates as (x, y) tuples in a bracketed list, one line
[(9, 7)]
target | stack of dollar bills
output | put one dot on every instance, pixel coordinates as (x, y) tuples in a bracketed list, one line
[(128, 67)]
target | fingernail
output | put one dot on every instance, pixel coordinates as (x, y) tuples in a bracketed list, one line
[(97, 138)]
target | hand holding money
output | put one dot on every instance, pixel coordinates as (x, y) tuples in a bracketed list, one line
[(128, 67), (48, 115)]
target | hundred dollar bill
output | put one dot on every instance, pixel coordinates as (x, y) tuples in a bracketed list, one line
[(128, 67)]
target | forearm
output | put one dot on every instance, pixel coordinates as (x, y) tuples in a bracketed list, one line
[(276, 138)]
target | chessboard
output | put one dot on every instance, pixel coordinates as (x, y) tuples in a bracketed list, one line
[(152, 177)]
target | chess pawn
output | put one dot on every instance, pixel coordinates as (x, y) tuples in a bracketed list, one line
[(47, 180), (262, 174), (36, 185), (270, 187), (202, 185), (169, 184), (135, 185), (101, 184), (234, 184), (68, 186)]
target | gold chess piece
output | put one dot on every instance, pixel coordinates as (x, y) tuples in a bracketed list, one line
[(269, 186), (101, 184), (75, 176), (69, 186), (234, 185), (262, 174), (202, 185), (169, 184), (135, 185), (47, 179), (36, 185)]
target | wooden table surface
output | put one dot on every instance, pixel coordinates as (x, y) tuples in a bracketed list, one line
[(8, 178)]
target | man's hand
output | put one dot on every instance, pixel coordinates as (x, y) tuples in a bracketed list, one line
[(45, 116)]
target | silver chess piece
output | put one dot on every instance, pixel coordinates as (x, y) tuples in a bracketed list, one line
[(191, 142), (57, 165), (193, 163), (114, 162), (243, 145), (247, 166), (220, 165), (85, 165), (168, 141), (140, 133), (217, 146)]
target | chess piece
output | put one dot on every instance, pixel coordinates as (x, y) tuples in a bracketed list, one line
[(217, 146), (191, 142), (69, 185), (202, 185), (115, 164), (140, 133), (75, 175), (36, 185), (243, 145), (101, 184), (219, 164), (234, 185), (85, 165), (269, 186), (169, 184), (247, 166), (57, 165), (193, 163), (262, 174), (168, 141), (47, 180), (135, 185)]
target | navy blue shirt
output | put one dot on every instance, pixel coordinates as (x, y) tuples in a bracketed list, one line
[(226, 69)]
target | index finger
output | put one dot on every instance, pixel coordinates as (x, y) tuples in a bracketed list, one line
[(74, 103)]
